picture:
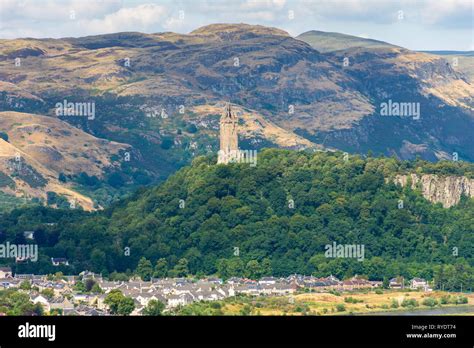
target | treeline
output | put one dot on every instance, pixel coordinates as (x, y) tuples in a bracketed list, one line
[(272, 219)]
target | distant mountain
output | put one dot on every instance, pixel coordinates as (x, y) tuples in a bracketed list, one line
[(461, 61), (451, 53), (328, 42), (388, 72), (163, 93)]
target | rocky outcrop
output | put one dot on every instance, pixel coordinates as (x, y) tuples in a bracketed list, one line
[(446, 190)]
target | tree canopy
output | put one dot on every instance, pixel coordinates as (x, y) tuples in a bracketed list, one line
[(272, 219)]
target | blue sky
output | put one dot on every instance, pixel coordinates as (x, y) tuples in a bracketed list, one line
[(419, 25)]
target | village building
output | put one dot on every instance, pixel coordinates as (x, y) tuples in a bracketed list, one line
[(419, 283)]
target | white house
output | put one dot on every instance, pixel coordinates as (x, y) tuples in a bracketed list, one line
[(57, 261), (182, 299), (145, 298), (29, 234), (419, 283), (43, 301), (267, 281), (396, 283)]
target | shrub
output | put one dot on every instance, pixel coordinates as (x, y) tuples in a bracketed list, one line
[(430, 302), (445, 299), (191, 128), (461, 300), (167, 143), (51, 197), (116, 180), (409, 302), (84, 179), (4, 136), (340, 307), (62, 177), (215, 305), (246, 310), (352, 300)]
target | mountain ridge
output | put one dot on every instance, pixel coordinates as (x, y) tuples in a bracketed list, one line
[(161, 93), (331, 41)]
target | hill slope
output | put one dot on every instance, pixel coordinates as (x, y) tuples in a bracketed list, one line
[(281, 214), (327, 42), (462, 61), (394, 74), (40, 148)]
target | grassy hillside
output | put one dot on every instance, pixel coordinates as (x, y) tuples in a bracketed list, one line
[(363, 302), (44, 154), (328, 42)]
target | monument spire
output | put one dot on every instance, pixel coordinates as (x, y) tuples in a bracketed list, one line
[(229, 142)]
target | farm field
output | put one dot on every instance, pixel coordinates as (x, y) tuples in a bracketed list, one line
[(348, 303)]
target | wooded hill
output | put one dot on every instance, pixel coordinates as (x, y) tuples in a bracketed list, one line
[(272, 219)]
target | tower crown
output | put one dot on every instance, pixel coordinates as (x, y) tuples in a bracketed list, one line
[(228, 115)]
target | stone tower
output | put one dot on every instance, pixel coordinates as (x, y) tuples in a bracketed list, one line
[(229, 142)]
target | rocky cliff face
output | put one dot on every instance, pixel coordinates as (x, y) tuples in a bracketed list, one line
[(445, 190)]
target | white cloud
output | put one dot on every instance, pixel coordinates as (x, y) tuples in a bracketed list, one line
[(140, 18), (377, 18), (451, 13), (263, 4), (53, 10), (90, 17)]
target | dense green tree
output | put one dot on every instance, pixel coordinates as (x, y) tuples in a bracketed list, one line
[(16, 303), (25, 285), (48, 293), (89, 284), (253, 269), (144, 269), (118, 303), (181, 268), (161, 268), (96, 289), (154, 308), (80, 287)]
